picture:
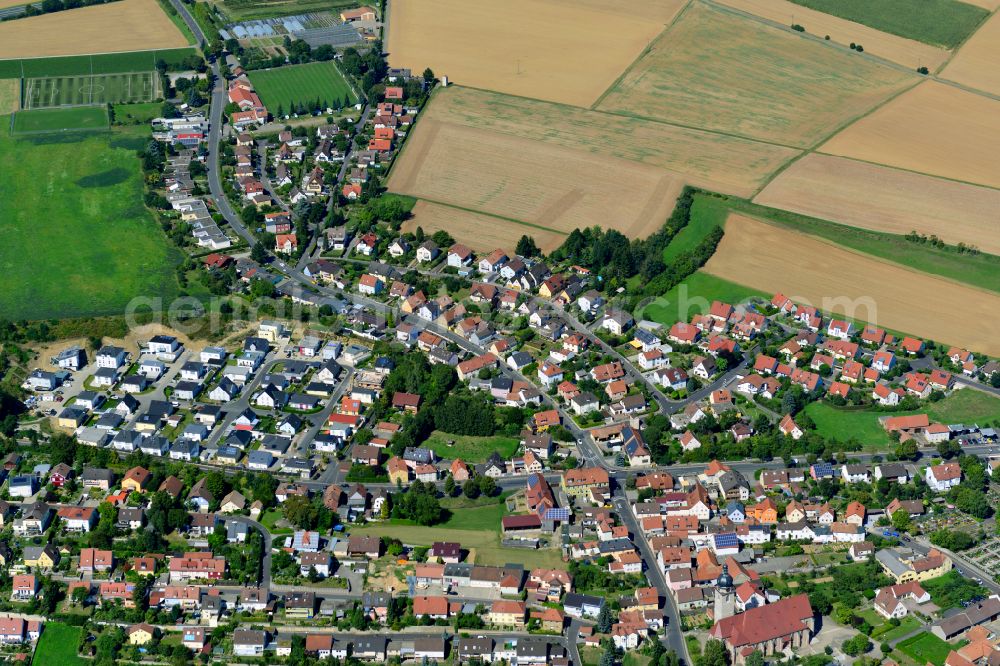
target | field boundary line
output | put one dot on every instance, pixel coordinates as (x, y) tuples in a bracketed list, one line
[(899, 168), (642, 54), (859, 253), (964, 42), (840, 128), (480, 212), (659, 121), (735, 11)]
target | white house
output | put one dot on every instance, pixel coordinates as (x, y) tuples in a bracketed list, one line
[(110, 357), (459, 256), (944, 476)]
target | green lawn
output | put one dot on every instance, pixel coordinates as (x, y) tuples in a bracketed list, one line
[(591, 656), (58, 646), (484, 518), (706, 213), (925, 648), (469, 448), (485, 543), (75, 239), (695, 296), (130, 114), (284, 87), (940, 22), (47, 121), (966, 405), (906, 625)]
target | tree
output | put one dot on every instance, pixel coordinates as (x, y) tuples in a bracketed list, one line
[(487, 486), (258, 253), (604, 619), (299, 511), (429, 77), (449, 485), (713, 654), (755, 658), (526, 247), (471, 489), (907, 450), (857, 645), (901, 520), (80, 595)]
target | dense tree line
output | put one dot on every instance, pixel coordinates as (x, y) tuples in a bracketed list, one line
[(615, 258)]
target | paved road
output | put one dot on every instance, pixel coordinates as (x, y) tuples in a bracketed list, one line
[(265, 578), (672, 636)]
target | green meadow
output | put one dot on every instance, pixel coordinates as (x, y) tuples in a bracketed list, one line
[(75, 238)]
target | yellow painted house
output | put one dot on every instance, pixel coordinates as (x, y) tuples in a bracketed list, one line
[(903, 570), (41, 558), (140, 634)]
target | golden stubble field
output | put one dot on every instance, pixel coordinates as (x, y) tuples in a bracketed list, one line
[(549, 186), (548, 49), (716, 70), (907, 52), (480, 232), (128, 25), (886, 199), (808, 269), (935, 129), (977, 63)]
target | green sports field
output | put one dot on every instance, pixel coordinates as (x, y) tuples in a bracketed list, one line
[(68, 119), (940, 22), (283, 88), (106, 63), (127, 87), (92, 248)]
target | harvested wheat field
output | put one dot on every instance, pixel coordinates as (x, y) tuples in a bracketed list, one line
[(907, 52), (810, 270), (713, 161), (128, 25), (935, 129), (976, 63), (885, 199), (985, 4), (10, 3), (719, 71), (549, 186), (480, 232), (548, 49)]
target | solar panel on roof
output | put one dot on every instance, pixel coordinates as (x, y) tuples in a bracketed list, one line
[(727, 540)]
